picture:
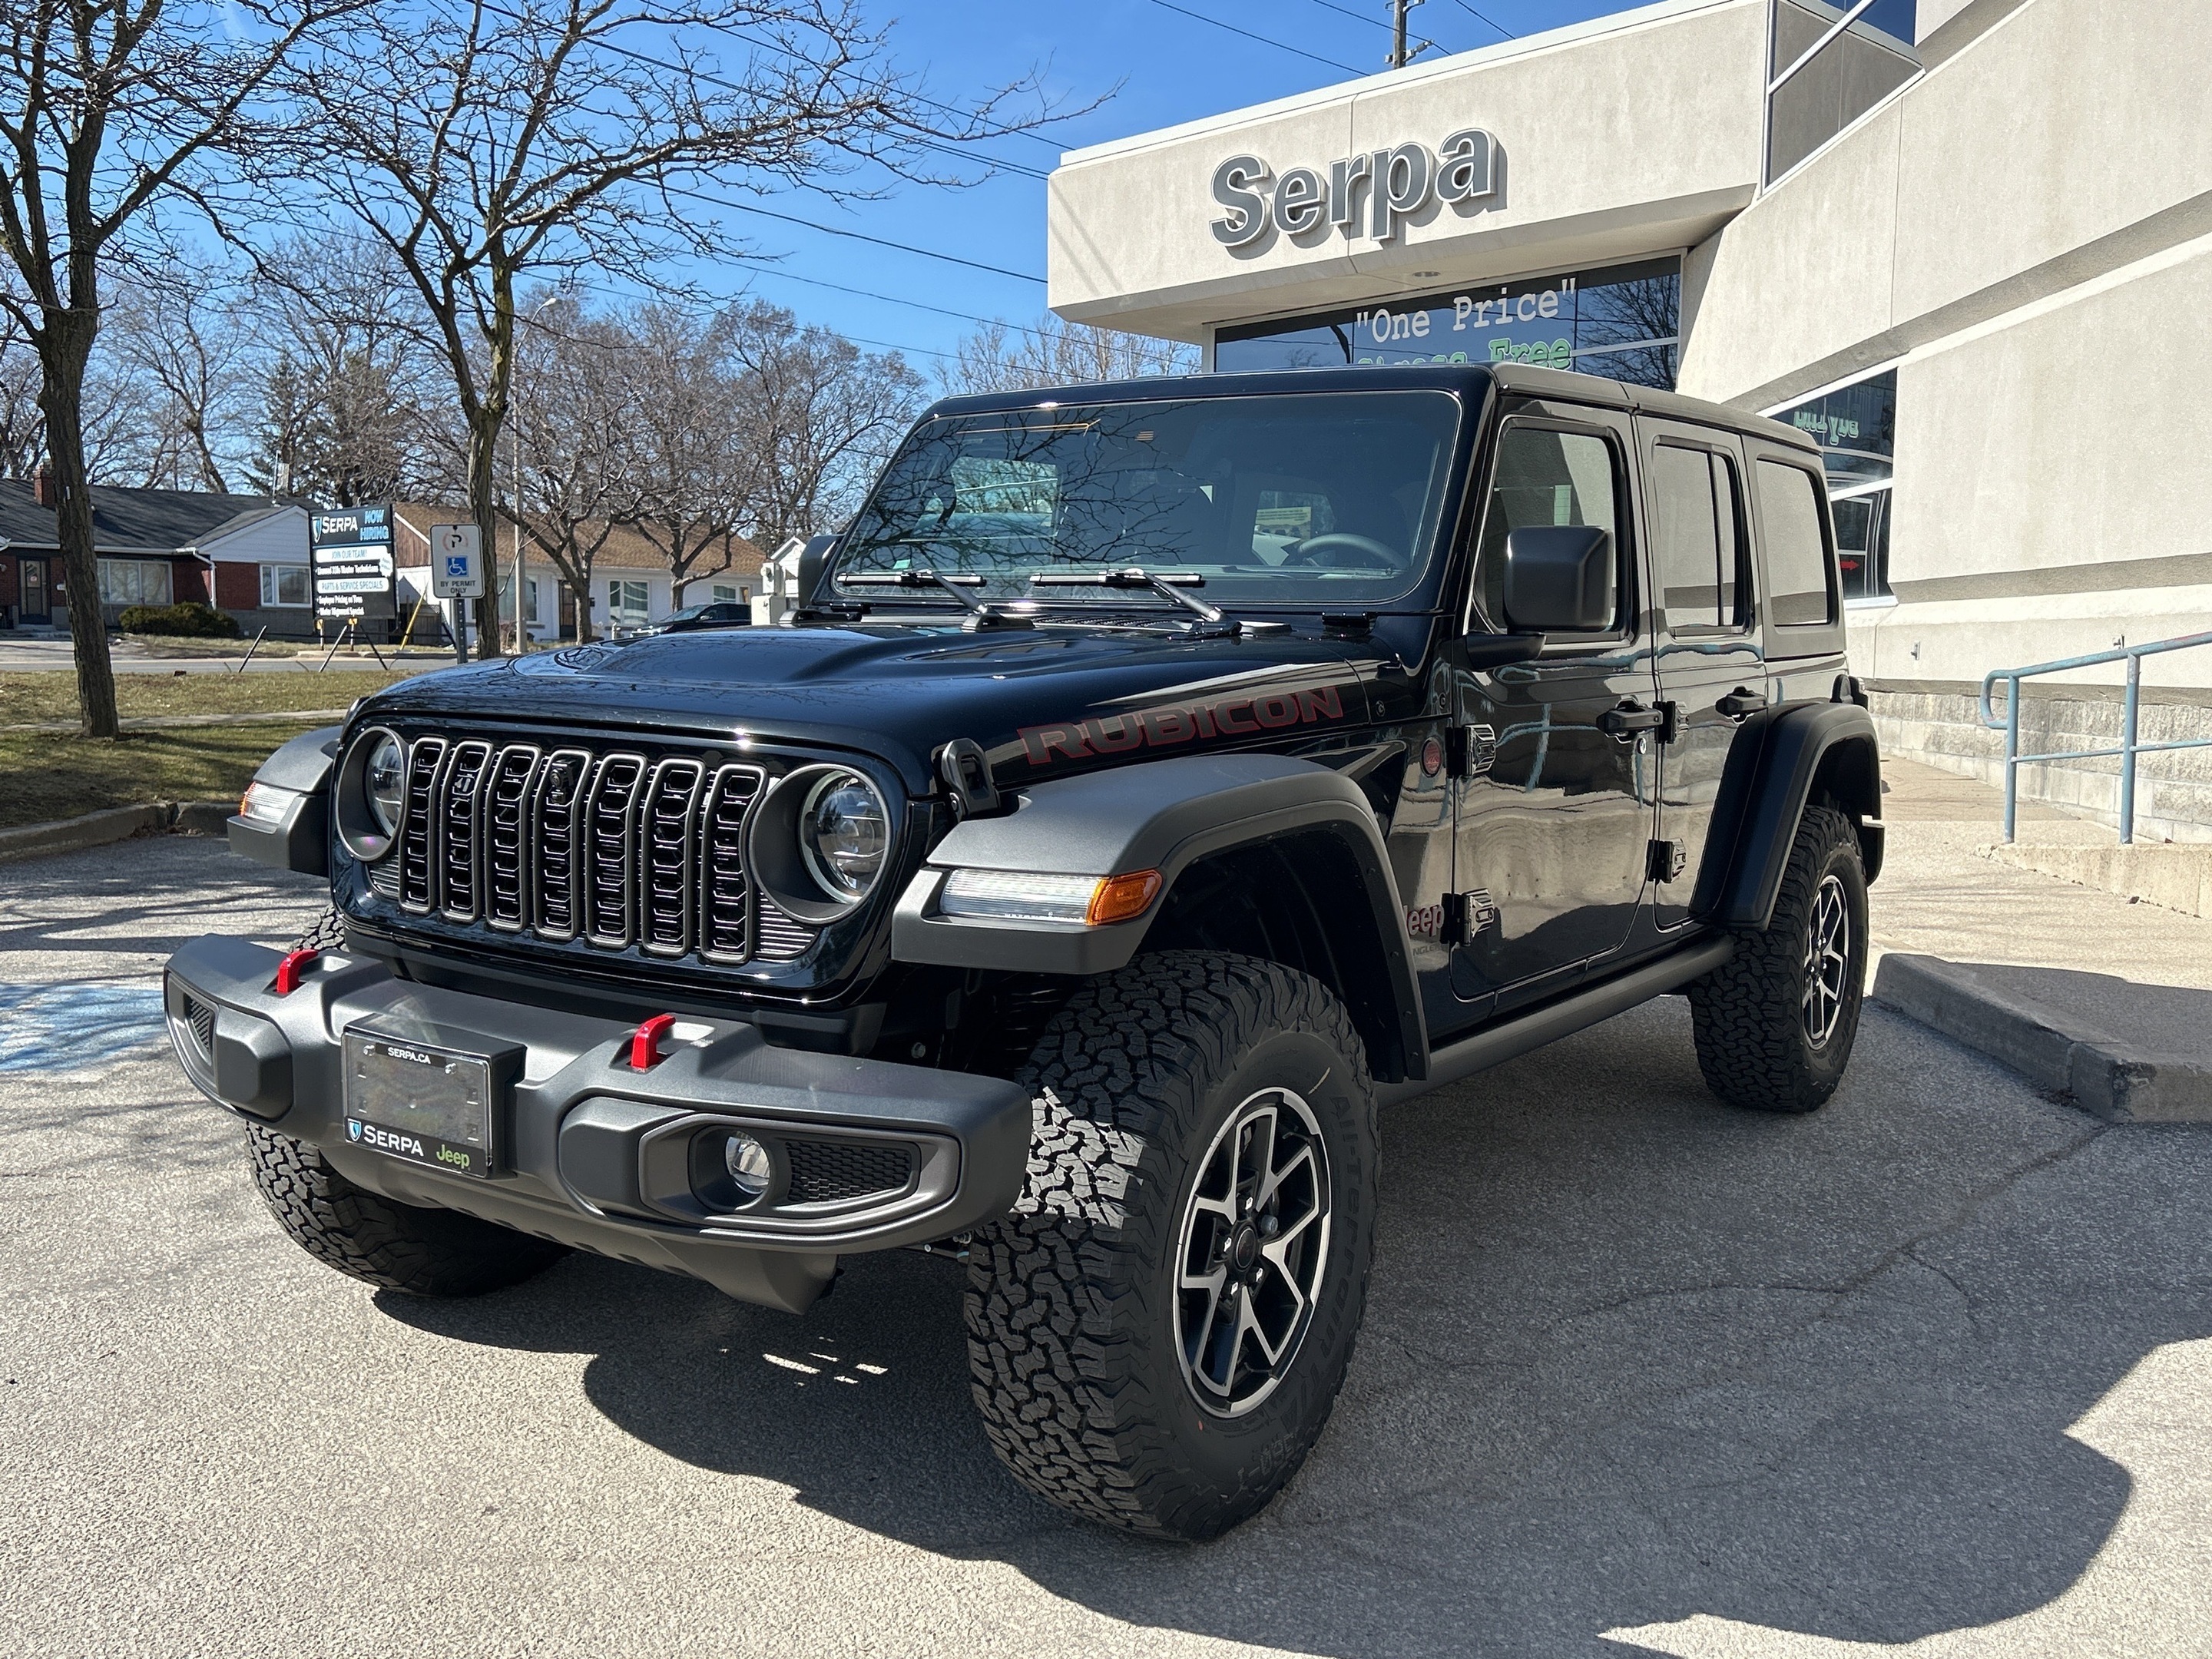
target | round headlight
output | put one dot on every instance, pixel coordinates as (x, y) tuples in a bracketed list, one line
[(384, 777), (844, 834), (368, 797)]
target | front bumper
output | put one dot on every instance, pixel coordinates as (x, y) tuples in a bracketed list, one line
[(592, 1153)]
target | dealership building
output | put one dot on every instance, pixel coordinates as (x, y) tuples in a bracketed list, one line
[(1965, 245)]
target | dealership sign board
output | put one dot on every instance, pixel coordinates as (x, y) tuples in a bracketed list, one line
[(456, 562), (350, 548), (1394, 183)]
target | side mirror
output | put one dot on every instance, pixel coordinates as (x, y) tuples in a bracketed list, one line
[(811, 558), (1560, 579)]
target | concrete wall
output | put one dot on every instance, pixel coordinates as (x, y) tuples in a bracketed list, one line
[(2006, 174), (1635, 134)]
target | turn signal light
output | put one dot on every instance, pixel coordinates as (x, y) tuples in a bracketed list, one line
[(1119, 897)]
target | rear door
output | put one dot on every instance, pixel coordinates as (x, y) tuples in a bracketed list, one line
[(1712, 674), (1553, 813)]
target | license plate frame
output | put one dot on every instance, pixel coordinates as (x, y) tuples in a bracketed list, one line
[(435, 1101)]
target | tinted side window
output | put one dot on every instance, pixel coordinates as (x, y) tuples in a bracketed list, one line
[(1789, 508), (1685, 536), (1543, 478)]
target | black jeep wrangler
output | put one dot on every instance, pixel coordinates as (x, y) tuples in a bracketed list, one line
[(1156, 779)]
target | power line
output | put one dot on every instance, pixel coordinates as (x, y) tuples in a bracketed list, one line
[(858, 236), (1492, 22), (1200, 16), (696, 73), (893, 299)]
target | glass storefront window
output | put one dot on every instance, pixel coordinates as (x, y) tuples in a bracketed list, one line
[(1623, 321), (1855, 427)]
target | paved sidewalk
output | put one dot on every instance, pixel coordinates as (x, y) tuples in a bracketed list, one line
[(2029, 968)]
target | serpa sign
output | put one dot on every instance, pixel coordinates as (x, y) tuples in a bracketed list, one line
[(1395, 183), (350, 551)]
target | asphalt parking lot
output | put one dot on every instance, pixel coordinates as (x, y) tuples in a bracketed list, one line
[(1931, 1368)]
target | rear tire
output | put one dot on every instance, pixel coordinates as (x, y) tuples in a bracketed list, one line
[(1158, 1333), (395, 1247), (1774, 1025)]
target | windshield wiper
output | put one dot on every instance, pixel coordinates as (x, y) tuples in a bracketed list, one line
[(1168, 584), (980, 614)]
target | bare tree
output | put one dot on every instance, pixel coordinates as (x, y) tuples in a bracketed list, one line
[(820, 414), (1002, 357), (110, 108), (576, 406), (175, 337), (694, 468), (22, 425), (542, 137), (352, 410)]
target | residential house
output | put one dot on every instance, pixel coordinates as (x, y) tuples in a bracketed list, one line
[(246, 555), (631, 583)]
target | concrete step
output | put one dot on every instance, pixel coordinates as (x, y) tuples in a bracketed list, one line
[(2093, 998)]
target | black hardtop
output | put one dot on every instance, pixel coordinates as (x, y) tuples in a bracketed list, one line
[(1471, 383)]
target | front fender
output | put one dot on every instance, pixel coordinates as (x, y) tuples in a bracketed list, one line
[(1162, 814), (1778, 758), (298, 838)]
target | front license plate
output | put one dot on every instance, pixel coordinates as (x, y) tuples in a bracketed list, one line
[(414, 1100)]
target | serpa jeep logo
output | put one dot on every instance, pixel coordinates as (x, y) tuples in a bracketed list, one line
[(415, 1055), (1398, 183), (353, 1130), (1166, 725), (385, 1141)]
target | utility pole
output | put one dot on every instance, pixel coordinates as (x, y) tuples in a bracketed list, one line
[(1401, 53)]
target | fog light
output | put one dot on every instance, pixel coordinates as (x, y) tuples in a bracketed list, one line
[(748, 1163)]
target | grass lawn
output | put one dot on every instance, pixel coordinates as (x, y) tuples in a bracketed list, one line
[(48, 776), (51, 696)]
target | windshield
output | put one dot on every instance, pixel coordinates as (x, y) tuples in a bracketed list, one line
[(1317, 498)]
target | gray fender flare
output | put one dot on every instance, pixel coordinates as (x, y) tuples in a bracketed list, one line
[(300, 839), (1163, 815), (1777, 757)]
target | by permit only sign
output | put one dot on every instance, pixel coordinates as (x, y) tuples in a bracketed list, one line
[(456, 562), (349, 551)]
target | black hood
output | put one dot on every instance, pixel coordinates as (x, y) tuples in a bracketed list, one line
[(1056, 699)]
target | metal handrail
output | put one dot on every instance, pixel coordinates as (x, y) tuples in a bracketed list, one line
[(2009, 724)]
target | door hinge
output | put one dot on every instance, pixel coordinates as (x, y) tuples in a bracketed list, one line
[(1666, 860), (1470, 750), (1468, 915)]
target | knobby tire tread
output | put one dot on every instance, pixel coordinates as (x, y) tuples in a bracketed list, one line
[(1054, 1289)]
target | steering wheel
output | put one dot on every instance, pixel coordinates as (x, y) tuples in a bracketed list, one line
[(1346, 551)]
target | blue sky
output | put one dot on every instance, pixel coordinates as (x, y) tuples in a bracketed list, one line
[(1170, 67)]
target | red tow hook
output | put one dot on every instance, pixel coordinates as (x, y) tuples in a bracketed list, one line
[(645, 1043), (292, 969)]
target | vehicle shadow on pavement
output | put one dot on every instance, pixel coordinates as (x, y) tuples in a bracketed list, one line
[(1629, 1357)]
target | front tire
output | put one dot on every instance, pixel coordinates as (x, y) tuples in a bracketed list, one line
[(1775, 1023), (1158, 1333), (395, 1247)]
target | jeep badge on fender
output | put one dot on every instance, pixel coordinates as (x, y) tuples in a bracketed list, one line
[(1152, 783)]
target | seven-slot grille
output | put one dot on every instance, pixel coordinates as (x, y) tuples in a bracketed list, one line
[(616, 849)]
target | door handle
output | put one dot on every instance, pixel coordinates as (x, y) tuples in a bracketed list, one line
[(1741, 703), (1630, 718)]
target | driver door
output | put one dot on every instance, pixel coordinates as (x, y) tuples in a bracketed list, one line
[(1555, 757)]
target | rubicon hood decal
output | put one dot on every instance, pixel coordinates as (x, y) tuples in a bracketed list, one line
[(1234, 715)]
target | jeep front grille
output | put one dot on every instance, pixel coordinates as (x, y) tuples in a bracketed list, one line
[(614, 850)]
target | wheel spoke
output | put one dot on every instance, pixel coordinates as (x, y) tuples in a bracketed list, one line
[(1277, 1249), (1254, 1160), (1301, 1159), (1273, 1347)]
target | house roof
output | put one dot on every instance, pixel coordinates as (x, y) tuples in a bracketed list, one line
[(132, 521), (627, 548)]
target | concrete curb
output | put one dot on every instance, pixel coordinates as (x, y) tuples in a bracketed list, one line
[(189, 818), (2050, 1047), (2175, 875)]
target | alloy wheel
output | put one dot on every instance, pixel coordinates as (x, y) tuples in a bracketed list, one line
[(1827, 961), (1253, 1248)]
